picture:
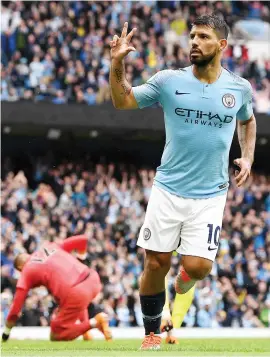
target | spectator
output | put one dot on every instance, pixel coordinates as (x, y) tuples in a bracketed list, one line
[(59, 98), (13, 96), (64, 46), (122, 313), (36, 72), (204, 316), (90, 96)]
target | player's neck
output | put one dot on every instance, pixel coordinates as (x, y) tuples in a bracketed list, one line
[(209, 73)]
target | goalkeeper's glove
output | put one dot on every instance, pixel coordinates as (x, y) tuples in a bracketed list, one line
[(5, 334)]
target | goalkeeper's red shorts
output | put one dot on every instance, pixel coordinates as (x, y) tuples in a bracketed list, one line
[(71, 319)]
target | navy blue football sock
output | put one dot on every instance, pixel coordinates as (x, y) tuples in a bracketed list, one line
[(152, 306)]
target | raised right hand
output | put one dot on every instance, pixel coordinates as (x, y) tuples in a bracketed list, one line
[(120, 45)]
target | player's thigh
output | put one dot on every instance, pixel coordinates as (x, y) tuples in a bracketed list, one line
[(66, 317), (88, 289), (160, 231), (200, 232), (82, 294)]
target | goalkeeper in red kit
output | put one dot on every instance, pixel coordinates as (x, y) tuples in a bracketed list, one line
[(72, 284)]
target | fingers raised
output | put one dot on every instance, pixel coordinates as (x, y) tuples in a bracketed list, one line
[(131, 49), (124, 31), (114, 41), (240, 175), (243, 179), (130, 35)]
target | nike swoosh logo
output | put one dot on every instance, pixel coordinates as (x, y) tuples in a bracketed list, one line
[(180, 93), (209, 248)]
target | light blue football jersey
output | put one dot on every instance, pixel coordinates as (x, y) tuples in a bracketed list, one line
[(200, 121)]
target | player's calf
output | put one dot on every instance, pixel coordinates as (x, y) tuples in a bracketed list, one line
[(152, 289), (183, 282), (191, 270), (197, 268)]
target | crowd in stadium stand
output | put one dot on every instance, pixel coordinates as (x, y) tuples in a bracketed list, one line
[(59, 51), (107, 203)]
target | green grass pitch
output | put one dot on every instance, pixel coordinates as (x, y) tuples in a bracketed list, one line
[(127, 348)]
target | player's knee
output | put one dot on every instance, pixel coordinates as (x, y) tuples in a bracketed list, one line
[(54, 334), (157, 262), (53, 337), (152, 265), (197, 268), (63, 336)]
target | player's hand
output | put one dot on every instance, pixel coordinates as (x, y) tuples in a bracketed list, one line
[(5, 337), (120, 46), (244, 173)]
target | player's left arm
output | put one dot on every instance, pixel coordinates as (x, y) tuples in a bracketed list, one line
[(78, 243), (246, 130), (13, 314)]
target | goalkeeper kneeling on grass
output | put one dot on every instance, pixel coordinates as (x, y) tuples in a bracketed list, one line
[(73, 286)]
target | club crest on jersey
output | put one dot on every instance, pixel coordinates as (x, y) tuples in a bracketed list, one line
[(228, 100), (146, 234)]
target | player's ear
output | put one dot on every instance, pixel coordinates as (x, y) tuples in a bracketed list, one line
[(222, 44)]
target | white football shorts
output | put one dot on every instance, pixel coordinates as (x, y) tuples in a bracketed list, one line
[(188, 226)]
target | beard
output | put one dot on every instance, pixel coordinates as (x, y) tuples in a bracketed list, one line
[(202, 61)]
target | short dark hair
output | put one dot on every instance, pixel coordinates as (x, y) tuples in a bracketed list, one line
[(215, 22)]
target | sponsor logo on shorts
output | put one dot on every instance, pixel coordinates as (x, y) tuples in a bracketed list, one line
[(146, 234), (209, 248)]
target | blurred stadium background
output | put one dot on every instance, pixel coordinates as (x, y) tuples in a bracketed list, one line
[(72, 164)]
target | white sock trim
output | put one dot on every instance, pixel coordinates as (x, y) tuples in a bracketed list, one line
[(147, 317), (93, 322)]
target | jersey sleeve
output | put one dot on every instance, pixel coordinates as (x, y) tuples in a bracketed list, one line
[(17, 304), (78, 243), (150, 93), (25, 281), (246, 111)]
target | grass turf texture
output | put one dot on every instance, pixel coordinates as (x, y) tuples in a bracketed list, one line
[(127, 348)]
